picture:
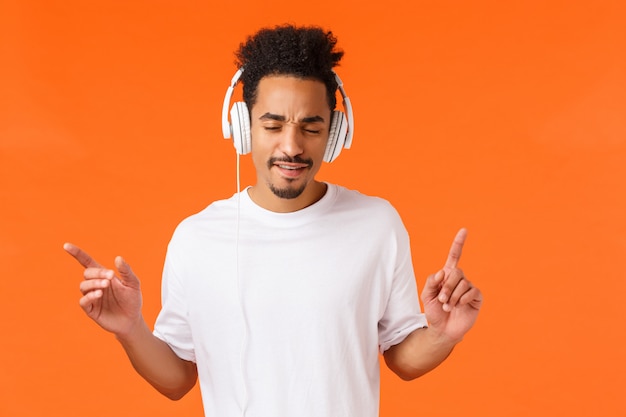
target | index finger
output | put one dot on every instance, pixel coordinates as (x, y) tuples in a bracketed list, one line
[(456, 249), (81, 256)]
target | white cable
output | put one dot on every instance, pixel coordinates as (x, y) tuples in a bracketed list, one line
[(244, 342)]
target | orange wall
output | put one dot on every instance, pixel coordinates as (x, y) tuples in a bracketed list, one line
[(507, 118)]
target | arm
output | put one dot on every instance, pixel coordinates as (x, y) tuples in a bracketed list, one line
[(114, 302), (451, 305), (422, 351), (155, 361)]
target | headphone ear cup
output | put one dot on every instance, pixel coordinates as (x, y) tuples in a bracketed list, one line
[(336, 136), (240, 118)]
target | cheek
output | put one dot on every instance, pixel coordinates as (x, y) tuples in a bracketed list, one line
[(258, 145), (258, 158), (260, 153), (261, 139), (320, 148)]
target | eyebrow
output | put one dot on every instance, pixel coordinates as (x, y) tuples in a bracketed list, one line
[(279, 118)]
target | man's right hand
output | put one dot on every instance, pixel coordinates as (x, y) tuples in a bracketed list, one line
[(114, 302)]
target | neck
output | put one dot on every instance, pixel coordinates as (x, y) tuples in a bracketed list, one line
[(261, 195)]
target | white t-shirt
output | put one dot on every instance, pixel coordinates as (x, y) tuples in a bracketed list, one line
[(285, 313)]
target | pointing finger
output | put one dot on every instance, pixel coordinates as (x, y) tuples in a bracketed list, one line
[(81, 256), (456, 249)]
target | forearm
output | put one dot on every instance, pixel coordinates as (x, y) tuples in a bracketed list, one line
[(422, 351), (155, 361)]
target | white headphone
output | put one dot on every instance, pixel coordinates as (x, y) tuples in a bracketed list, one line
[(339, 135)]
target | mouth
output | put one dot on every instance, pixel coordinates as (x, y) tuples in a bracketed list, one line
[(291, 171), (290, 168)]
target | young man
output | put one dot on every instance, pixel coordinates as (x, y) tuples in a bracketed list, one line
[(281, 297)]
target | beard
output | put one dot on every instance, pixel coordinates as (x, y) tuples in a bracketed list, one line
[(288, 192)]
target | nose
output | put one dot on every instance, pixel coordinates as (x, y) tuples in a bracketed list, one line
[(291, 140)]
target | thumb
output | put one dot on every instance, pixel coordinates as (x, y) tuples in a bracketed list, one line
[(433, 286), (127, 276)]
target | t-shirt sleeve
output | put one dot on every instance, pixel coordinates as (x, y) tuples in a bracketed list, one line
[(172, 325), (403, 313)]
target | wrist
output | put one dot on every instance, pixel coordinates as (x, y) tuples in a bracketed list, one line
[(439, 337), (134, 332)]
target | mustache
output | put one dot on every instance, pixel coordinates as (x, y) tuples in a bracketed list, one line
[(295, 160)]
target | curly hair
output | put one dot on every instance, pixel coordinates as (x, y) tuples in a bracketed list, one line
[(303, 52)]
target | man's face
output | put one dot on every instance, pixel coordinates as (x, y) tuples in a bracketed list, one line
[(289, 130)]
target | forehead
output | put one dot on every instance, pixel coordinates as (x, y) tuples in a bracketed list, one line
[(284, 94)]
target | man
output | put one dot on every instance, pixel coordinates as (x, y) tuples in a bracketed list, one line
[(281, 297)]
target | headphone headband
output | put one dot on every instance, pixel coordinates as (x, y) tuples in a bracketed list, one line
[(227, 130), (348, 107)]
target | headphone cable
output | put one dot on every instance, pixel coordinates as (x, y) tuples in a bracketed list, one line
[(244, 342)]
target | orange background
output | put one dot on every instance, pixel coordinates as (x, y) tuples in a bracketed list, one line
[(507, 118)]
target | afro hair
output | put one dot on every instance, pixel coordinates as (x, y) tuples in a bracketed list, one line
[(303, 52)]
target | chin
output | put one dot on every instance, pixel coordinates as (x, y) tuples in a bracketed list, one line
[(288, 193)]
